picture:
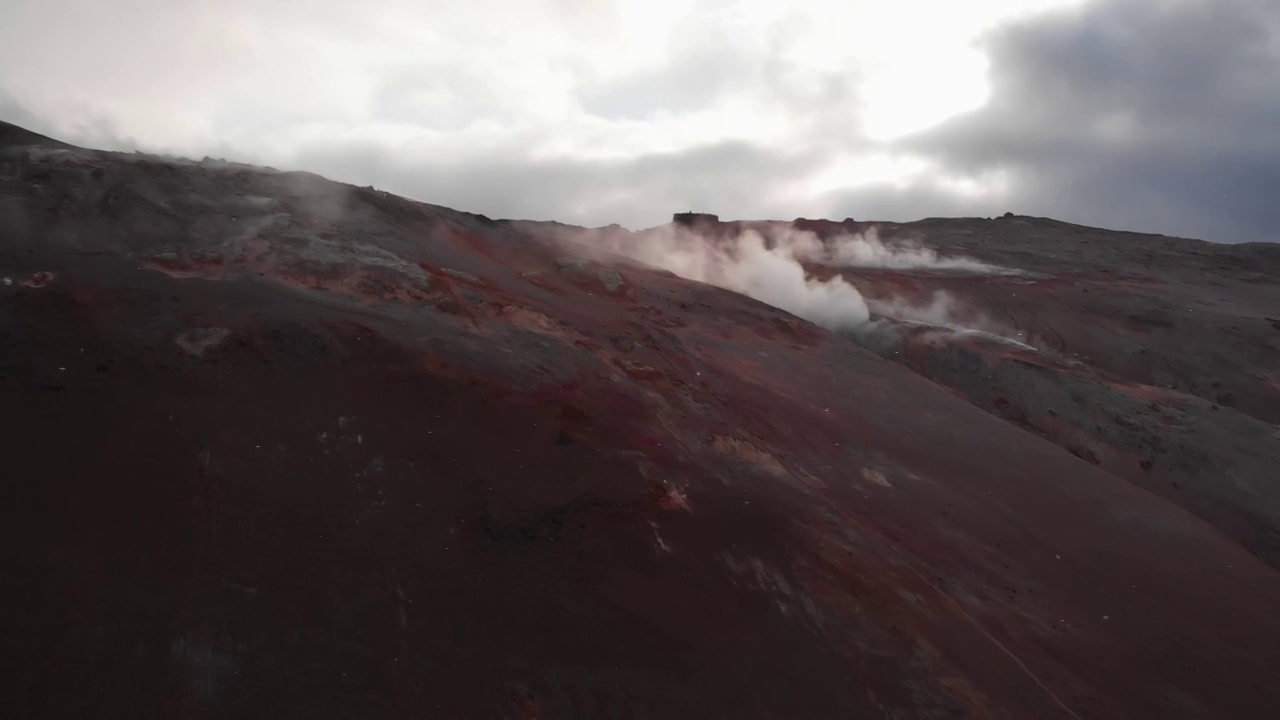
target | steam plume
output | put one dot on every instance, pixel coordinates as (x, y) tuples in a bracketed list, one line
[(749, 264), (770, 267), (867, 250)]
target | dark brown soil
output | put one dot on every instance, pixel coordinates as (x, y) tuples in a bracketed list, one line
[(279, 447)]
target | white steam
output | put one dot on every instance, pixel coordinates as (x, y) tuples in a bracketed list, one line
[(770, 272), (772, 268), (944, 312), (866, 250)]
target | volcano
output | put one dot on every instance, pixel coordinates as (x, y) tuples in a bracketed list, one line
[(276, 446)]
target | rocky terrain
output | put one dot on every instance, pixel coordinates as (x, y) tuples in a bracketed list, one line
[(276, 446), (1155, 358)]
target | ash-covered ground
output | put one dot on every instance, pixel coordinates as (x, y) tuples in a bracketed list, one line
[(276, 446)]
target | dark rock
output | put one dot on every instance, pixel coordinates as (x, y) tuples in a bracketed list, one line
[(693, 219)]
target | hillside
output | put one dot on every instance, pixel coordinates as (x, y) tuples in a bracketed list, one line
[(277, 446)]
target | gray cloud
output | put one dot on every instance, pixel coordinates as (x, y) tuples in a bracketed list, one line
[(87, 130), (1157, 116), (13, 111), (733, 177), (699, 72)]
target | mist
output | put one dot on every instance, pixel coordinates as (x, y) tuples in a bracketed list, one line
[(767, 270), (771, 267), (943, 312), (867, 250)]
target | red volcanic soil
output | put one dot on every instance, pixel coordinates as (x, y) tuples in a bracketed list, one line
[(279, 447)]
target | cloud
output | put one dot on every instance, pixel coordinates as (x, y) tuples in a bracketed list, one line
[(555, 92), (13, 111), (1142, 115), (1156, 116), (583, 191)]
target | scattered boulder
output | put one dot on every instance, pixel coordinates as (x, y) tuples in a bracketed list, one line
[(571, 263), (612, 280), (198, 341), (39, 279), (460, 274)]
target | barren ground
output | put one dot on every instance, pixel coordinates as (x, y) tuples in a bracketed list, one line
[(280, 447)]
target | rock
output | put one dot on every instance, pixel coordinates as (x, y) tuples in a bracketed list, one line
[(612, 280), (571, 263), (639, 370), (198, 341), (693, 219), (460, 274), (39, 279)]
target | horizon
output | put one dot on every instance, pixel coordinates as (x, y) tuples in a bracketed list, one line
[(640, 229), (1124, 114)]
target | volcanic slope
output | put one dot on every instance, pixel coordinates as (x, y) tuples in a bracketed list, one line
[(1154, 358), (280, 447)]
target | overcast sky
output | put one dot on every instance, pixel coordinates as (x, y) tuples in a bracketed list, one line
[(1154, 115)]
